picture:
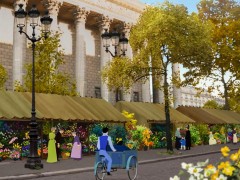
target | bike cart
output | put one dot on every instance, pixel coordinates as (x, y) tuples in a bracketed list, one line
[(126, 159)]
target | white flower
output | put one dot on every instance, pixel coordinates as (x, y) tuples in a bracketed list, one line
[(201, 164), (186, 166), (192, 178), (222, 177), (175, 178), (194, 171), (209, 172)]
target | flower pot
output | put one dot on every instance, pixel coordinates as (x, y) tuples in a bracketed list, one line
[(64, 156)]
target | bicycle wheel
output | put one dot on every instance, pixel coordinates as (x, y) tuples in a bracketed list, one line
[(132, 166), (100, 171)]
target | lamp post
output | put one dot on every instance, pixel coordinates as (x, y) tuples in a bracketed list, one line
[(34, 160), (116, 41)]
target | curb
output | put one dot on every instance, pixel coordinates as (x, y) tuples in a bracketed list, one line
[(89, 169)]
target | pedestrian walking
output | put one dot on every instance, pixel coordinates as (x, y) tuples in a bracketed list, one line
[(59, 140), (76, 152), (52, 153), (212, 140), (183, 143), (177, 139), (188, 138), (235, 138)]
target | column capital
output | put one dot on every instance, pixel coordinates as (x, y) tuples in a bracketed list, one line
[(126, 28), (105, 23), (53, 6), (80, 14)]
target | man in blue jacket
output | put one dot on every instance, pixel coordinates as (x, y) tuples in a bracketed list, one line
[(102, 143)]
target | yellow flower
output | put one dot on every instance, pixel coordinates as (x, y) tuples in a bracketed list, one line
[(214, 176), (223, 165), (228, 170), (210, 166), (234, 156), (225, 151), (67, 154)]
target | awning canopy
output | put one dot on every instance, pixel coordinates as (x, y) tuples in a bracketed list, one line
[(210, 116), (149, 112), (17, 105)]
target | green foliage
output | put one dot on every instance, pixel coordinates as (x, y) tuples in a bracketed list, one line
[(225, 20), (3, 77), (212, 104), (48, 79), (118, 131), (46, 127), (117, 73), (195, 135)]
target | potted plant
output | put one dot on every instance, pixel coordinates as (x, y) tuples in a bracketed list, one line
[(66, 150)]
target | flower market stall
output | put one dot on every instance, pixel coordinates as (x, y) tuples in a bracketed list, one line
[(73, 114), (149, 115)]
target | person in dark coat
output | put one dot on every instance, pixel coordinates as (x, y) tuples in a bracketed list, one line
[(188, 138), (177, 139), (59, 140)]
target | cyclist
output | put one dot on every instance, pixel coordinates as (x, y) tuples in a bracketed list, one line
[(102, 145)]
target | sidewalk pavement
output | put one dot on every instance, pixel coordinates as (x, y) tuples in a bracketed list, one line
[(15, 169)]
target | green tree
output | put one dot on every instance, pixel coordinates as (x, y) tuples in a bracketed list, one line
[(212, 104), (3, 77), (115, 74), (48, 79), (225, 18), (169, 35)]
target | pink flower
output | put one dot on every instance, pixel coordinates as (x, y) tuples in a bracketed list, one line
[(12, 140)]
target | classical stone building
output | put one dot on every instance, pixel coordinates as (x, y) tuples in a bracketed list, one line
[(81, 22), (189, 97)]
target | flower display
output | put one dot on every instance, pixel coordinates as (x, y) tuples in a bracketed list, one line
[(15, 154), (229, 168), (45, 150), (12, 140), (66, 148)]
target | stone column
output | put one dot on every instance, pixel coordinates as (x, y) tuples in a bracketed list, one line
[(53, 7), (161, 93), (126, 31), (146, 92), (105, 57), (176, 90), (80, 15), (19, 48)]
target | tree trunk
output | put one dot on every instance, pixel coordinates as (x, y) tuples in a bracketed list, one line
[(116, 95), (226, 105), (167, 114), (155, 93)]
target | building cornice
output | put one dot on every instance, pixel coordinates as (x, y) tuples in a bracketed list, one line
[(117, 9)]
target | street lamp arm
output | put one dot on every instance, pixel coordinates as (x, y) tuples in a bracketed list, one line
[(32, 39), (107, 50)]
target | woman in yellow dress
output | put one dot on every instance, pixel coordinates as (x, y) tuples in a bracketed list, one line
[(52, 153)]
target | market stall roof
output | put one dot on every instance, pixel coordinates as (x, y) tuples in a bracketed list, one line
[(210, 116), (229, 117), (149, 112), (17, 105)]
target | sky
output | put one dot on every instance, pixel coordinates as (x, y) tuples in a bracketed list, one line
[(190, 4)]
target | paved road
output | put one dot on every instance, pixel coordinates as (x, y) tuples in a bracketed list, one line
[(153, 171)]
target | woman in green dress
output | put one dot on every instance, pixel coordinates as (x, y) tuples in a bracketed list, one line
[(52, 153)]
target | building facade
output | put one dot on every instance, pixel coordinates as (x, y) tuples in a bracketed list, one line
[(190, 97), (81, 22)]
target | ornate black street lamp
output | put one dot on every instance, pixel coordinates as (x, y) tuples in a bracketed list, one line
[(34, 160), (116, 41)]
